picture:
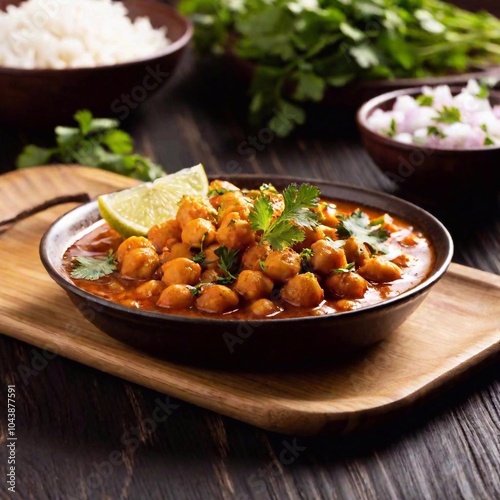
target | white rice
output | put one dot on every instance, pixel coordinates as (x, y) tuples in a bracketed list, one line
[(59, 34)]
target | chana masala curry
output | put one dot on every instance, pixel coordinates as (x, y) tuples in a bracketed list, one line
[(260, 253)]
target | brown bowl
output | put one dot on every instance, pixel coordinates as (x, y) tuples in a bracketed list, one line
[(48, 97), (254, 344), (437, 173)]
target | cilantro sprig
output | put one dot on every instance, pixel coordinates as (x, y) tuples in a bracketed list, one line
[(284, 231), (96, 142), (358, 225), (360, 40), (92, 268), (228, 264)]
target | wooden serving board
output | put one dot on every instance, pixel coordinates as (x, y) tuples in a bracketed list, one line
[(456, 328)]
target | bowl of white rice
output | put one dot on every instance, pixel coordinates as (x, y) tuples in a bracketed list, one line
[(438, 142), (58, 56)]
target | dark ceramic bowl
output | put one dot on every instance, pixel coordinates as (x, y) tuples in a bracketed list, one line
[(236, 343), (48, 97), (436, 173)]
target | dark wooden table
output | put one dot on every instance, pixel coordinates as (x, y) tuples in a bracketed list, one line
[(73, 422)]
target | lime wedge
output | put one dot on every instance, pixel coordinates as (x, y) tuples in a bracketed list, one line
[(132, 212)]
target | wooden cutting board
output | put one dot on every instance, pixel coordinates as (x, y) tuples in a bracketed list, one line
[(457, 327)]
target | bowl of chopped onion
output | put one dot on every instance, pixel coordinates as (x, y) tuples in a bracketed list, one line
[(106, 56), (435, 141)]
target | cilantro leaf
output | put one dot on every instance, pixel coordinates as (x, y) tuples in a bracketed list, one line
[(283, 234), (32, 156), (425, 100), (449, 114), (297, 203), (284, 230), (433, 130), (262, 213), (228, 263), (96, 142), (342, 270), (92, 268), (358, 225)]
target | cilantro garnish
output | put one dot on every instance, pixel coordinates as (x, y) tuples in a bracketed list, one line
[(358, 225), (449, 115), (305, 260), (228, 263), (425, 100), (96, 142), (342, 270), (92, 268), (433, 130), (201, 256), (284, 231), (392, 129)]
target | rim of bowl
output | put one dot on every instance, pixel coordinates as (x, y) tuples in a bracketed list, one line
[(170, 49), (373, 104), (69, 286)]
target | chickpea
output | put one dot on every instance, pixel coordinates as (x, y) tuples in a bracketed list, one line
[(350, 285), (345, 305), (193, 207), (326, 257), (310, 237), (356, 251), (329, 232), (140, 263), (217, 299), (178, 250), (221, 187), (197, 232), (303, 290), (253, 256), (328, 215), (234, 201), (181, 271), (235, 233), (176, 297), (130, 244), (253, 285), (210, 275), (148, 289), (280, 266), (167, 231), (380, 270), (264, 307)]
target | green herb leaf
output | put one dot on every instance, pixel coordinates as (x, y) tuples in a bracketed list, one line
[(262, 213), (32, 156), (93, 268), (425, 100), (432, 130), (342, 270), (228, 263), (284, 231), (358, 225), (97, 142), (449, 115), (392, 129)]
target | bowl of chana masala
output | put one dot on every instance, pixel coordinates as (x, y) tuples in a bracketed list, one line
[(254, 273)]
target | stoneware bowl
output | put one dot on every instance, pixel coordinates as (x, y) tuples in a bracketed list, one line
[(437, 173), (256, 344), (47, 97)]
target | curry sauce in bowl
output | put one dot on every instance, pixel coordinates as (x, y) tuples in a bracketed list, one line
[(255, 274)]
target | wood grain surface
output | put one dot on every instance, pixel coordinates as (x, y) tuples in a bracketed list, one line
[(427, 351), (73, 420)]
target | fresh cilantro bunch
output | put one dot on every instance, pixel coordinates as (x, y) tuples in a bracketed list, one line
[(96, 142), (300, 48)]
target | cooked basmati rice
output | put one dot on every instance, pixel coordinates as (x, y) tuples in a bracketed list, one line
[(59, 34)]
